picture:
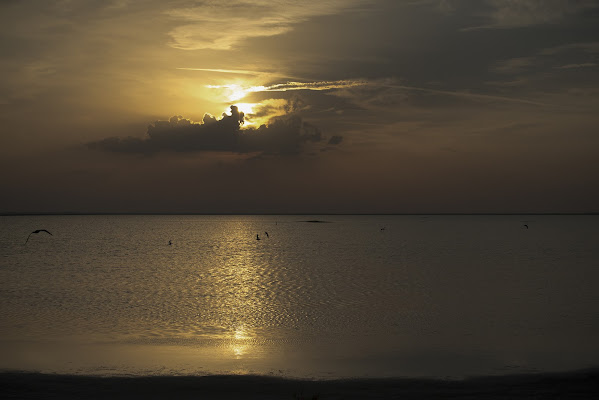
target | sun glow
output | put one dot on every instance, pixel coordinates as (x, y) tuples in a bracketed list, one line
[(234, 92), (247, 109), (256, 114), (241, 338)]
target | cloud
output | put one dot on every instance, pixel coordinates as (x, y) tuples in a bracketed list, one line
[(224, 71), (583, 47), (221, 25), (582, 65), (506, 14), (323, 85), (548, 63), (388, 93), (285, 135), (238, 92), (514, 65)]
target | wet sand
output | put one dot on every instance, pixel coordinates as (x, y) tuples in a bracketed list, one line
[(570, 385)]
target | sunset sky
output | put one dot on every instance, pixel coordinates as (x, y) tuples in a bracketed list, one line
[(341, 106)]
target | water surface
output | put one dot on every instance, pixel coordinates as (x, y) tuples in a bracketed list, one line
[(426, 296)]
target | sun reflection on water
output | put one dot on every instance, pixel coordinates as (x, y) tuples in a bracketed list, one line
[(241, 334), (240, 344), (239, 280)]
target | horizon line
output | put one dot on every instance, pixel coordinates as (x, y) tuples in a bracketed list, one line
[(76, 213)]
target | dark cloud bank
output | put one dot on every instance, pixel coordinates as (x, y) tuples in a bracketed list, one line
[(286, 135)]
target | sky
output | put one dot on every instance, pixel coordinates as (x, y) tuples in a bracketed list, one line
[(313, 106)]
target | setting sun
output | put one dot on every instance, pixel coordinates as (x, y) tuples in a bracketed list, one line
[(232, 93), (247, 109)]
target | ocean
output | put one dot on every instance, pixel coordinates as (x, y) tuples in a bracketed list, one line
[(444, 296)]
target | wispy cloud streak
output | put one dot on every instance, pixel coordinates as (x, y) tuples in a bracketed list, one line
[(475, 96), (345, 84), (323, 85), (225, 71), (582, 65)]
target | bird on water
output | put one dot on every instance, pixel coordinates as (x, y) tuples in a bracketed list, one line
[(37, 231), (257, 237)]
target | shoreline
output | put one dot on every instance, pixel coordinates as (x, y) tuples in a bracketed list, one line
[(579, 384)]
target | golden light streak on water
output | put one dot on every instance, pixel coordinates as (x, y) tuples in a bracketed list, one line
[(238, 281)]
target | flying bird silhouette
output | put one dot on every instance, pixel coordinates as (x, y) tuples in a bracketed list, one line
[(37, 231)]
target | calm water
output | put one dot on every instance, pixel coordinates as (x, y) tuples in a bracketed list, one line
[(426, 296)]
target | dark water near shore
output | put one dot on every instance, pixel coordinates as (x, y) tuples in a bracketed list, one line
[(427, 296)]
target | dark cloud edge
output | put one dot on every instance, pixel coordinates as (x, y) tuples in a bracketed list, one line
[(284, 135)]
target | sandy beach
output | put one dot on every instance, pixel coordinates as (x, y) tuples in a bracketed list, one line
[(570, 385)]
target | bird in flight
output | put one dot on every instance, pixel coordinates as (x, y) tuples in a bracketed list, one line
[(37, 231)]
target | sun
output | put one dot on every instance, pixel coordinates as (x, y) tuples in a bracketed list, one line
[(232, 93), (247, 109)]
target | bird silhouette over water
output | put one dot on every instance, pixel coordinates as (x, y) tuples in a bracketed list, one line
[(266, 234), (37, 231)]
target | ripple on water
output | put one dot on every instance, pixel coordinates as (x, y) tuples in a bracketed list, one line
[(420, 283)]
